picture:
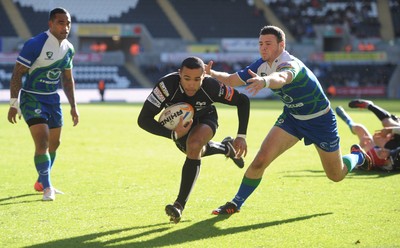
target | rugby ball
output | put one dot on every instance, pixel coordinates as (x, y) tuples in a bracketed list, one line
[(170, 117)]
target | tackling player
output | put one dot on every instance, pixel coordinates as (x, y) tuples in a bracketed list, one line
[(306, 114), (46, 60), (191, 85)]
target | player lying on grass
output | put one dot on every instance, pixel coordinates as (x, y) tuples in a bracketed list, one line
[(387, 119), (383, 147), (191, 85)]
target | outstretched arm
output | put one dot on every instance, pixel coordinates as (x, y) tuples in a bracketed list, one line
[(275, 80), (224, 77)]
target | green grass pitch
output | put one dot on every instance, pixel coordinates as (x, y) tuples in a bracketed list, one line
[(118, 178)]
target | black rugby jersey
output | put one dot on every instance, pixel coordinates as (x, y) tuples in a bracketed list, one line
[(169, 91)]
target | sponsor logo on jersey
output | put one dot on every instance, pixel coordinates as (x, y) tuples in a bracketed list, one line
[(164, 89), (221, 89), (297, 105), (157, 92), (229, 93), (54, 74), (287, 99), (200, 104), (284, 66), (49, 55), (48, 81), (151, 98)]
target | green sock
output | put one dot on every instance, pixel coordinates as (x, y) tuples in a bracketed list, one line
[(245, 190), (52, 157)]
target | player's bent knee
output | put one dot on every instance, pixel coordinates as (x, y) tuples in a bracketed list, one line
[(194, 146), (260, 162), (258, 165)]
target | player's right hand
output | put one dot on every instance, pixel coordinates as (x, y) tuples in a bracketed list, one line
[(12, 115), (208, 67), (75, 116)]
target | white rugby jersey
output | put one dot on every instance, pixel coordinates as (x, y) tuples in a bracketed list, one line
[(46, 59), (304, 97)]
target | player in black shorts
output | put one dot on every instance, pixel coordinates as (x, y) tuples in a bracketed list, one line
[(191, 85)]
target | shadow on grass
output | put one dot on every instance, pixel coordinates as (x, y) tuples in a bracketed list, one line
[(355, 174), (16, 197), (372, 174), (202, 230)]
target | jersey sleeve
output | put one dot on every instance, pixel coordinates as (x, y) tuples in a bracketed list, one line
[(230, 96), (71, 53), (153, 105), (291, 66), (31, 50), (244, 74)]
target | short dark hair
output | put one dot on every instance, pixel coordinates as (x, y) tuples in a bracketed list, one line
[(192, 63), (58, 10), (279, 34)]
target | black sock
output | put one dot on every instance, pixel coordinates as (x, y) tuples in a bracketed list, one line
[(395, 118), (215, 148), (379, 112), (190, 171)]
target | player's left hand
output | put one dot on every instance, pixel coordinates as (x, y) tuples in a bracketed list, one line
[(75, 115), (240, 146), (183, 128), (256, 83)]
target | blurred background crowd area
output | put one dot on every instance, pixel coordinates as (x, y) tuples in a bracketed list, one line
[(353, 46)]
